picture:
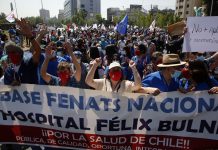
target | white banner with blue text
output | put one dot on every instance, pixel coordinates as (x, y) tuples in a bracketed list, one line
[(66, 117)]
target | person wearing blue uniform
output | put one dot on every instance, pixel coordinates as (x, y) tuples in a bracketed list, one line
[(166, 79), (66, 76), (200, 77)]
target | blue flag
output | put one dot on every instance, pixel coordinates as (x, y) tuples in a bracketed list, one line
[(122, 26)]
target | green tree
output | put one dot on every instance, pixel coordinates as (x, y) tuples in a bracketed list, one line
[(98, 19), (2, 18)]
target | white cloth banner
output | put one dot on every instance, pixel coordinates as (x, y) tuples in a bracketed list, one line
[(88, 119), (10, 18), (202, 34)]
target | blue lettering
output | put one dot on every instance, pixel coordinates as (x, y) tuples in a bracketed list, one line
[(5, 96), (151, 104), (26, 95), (17, 97), (163, 105), (62, 100), (92, 104), (184, 102), (74, 101), (116, 104), (36, 98), (106, 103), (203, 105), (51, 97), (136, 103)]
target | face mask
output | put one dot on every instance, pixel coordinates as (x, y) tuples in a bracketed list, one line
[(201, 58), (53, 55), (59, 53), (15, 58), (176, 74), (115, 75), (64, 76), (137, 52), (130, 45)]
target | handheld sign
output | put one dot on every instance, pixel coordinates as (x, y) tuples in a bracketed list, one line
[(202, 34), (176, 28)]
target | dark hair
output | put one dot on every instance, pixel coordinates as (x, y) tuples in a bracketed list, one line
[(199, 71), (142, 48), (1, 71), (94, 52), (110, 51), (11, 46)]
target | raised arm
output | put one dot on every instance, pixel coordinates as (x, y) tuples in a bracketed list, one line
[(43, 71), (77, 73), (25, 29), (90, 76), (137, 78)]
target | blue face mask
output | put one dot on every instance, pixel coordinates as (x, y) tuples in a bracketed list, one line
[(176, 74), (201, 58)]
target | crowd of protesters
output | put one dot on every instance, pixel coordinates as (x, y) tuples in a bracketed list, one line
[(141, 61)]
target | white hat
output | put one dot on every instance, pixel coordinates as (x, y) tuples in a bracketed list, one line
[(114, 64), (171, 60)]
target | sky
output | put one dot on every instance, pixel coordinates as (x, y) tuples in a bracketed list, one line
[(27, 8)]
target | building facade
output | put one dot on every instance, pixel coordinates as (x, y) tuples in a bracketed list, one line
[(70, 8), (112, 12), (61, 14), (44, 14), (91, 7), (185, 8)]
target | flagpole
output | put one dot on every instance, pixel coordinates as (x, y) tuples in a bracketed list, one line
[(211, 8), (16, 7)]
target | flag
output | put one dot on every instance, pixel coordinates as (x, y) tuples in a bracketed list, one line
[(122, 26), (95, 26), (10, 18), (152, 26), (103, 27), (64, 26)]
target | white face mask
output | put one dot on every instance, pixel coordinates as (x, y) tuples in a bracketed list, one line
[(53, 55), (216, 70), (59, 53)]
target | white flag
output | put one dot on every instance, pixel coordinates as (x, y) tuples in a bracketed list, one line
[(95, 26), (103, 27), (10, 18), (152, 26)]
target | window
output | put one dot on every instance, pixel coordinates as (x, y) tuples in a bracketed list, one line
[(187, 12), (180, 13), (188, 6), (82, 6), (180, 7)]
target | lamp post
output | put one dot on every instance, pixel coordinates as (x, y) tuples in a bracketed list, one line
[(16, 7), (211, 8)]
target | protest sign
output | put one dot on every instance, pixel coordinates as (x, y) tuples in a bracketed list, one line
[(87, 119), (176, 28), (202, 34)]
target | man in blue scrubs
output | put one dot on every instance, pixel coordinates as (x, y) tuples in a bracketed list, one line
[(165, 80)]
